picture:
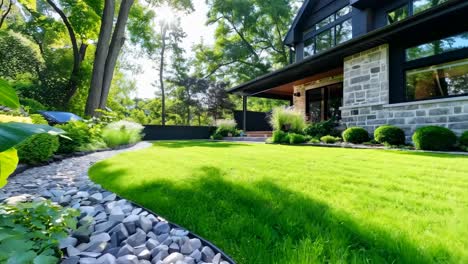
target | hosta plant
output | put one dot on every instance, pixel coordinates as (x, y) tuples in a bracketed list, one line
[(30, 232)]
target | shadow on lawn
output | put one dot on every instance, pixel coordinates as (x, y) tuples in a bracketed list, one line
[(264, 223), (198, 143), (431, 154)]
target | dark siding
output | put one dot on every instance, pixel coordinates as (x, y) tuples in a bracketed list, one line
[(256, 121), (155, 132)]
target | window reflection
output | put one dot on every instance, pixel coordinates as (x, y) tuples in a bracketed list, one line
[(397, 14), (441, 80), (344, 31), (437, 47), (325, 40), (421, 5)]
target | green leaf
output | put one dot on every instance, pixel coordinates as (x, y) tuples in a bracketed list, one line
[(8, 162), (44, 259), (13, 133), (22, 257), (8, 95)]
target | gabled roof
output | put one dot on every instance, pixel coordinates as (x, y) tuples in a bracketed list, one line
[(289, 39)]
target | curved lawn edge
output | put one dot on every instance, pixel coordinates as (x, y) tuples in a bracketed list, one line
[(205, 242)]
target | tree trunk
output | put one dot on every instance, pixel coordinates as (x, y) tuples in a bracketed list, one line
[(74, 85), (6, 13), (102, 50), (161, 75), (74, 76), (118, 39), (188, 106)]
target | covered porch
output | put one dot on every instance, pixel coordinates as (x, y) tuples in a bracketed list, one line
[(318, 97)]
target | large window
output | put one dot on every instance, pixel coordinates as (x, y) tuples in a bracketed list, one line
[(437, 69), (437, 47), (448, 79), (328, 32), (413, 7)]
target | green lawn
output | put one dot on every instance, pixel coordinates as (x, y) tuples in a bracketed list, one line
[(267, 204)]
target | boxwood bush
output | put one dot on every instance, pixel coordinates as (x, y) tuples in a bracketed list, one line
[(280, 137), (79, 135), (356, 135), (329, 139), (434, 138), (296, 138), (390, 135), (321, 129), (464, 139), (37, 149)]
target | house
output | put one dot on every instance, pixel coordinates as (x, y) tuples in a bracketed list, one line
[(375, 62)]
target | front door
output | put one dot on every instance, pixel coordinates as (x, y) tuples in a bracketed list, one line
[(324, 103)]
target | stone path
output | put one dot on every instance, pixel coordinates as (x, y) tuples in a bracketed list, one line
[(110, 230)]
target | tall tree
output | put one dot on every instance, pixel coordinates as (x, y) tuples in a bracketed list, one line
[(5, 9), (217, 100), (248, 39), (107, 53)]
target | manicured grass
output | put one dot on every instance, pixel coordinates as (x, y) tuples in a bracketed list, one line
[(283, 204)]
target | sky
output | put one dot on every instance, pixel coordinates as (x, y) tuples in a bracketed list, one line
[(194, 25)]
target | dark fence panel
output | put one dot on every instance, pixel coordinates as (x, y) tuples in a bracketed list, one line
[(256, 121), (157, 132)]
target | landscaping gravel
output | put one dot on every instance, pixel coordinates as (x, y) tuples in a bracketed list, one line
[(110, 230)]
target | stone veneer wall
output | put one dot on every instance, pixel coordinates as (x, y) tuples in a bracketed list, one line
[(366, 99)]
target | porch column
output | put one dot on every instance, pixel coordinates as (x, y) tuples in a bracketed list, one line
[(244, 112)]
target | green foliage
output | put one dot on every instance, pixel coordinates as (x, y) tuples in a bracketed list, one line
[(30, 232), (37, 149), (13, 133), (434, 138), (321, 129), (464, 139), (356, 135), (18, 56), (8, 162), (38, 119), (330, 139), (9, 97), (280, 137), (390, 135), (80, 135), (227, 127), (122, 133), (216, 136), (31, 105), (314, 140), (296, 138), (287, 120)]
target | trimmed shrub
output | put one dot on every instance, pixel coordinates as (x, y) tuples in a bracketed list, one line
[(216, 137), (122, 133), (434, 138), (314, 140), (355, 135), (226, 127), (321, 129), (330, 139), (37, 149), (464, 139), (280, 137), (390, 135), (287, 120), (38, 119), (296, 138)]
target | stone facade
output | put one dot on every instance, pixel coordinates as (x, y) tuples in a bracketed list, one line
[(366, 99), (300, 101), (366, 78)]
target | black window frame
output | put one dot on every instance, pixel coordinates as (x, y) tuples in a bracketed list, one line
[(410, 9), (398, 80), (313, 32)]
